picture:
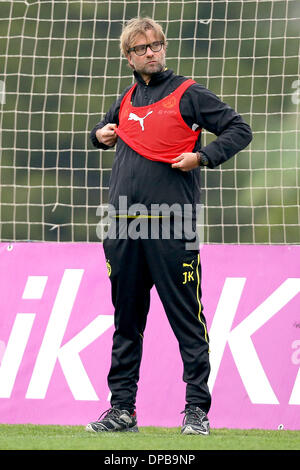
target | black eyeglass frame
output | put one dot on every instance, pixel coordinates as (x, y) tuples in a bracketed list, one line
[(133, 49)]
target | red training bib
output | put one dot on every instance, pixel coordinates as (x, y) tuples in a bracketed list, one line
[(157, 131)]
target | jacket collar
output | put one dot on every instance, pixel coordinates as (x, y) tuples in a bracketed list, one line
[(155, 78)]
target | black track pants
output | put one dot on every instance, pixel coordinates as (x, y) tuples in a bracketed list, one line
[(135, 265)]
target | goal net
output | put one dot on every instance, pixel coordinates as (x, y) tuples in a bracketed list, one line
[(61, 69)]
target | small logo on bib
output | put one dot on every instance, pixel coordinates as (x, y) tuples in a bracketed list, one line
[(134, 117)]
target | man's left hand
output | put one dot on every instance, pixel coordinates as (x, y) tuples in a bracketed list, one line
[(185, 162)]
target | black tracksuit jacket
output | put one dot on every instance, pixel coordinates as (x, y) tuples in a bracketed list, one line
[(149, 182)]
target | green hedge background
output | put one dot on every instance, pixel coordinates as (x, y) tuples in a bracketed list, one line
[(61, 69)]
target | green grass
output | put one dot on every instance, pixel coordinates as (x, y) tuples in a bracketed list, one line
[(34, 437)]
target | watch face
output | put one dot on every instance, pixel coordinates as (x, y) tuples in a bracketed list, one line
[(204, 160)]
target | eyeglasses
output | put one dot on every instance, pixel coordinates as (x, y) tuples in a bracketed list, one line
[(141, 49)]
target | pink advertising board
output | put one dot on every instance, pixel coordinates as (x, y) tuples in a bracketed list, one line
[(56, 327)]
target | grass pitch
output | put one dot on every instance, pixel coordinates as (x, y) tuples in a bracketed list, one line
[(35, 437)]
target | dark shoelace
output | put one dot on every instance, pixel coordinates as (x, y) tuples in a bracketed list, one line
[(110, 413), (194, 416)]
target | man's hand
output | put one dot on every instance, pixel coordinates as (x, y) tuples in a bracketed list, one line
[(186, 162), (107, 135)]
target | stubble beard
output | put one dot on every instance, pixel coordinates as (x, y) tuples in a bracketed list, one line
[(151, 69)]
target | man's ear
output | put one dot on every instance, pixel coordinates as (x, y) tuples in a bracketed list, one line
[(130, 63)]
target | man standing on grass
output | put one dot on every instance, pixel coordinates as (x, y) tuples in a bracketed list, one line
[(157, 123)]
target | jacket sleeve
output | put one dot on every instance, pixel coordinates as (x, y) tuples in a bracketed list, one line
[(210, 113), (111, 117)]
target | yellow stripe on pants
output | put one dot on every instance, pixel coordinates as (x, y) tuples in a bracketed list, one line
[(198, 299)]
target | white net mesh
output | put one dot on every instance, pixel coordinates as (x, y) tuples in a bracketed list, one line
[(61, 69)]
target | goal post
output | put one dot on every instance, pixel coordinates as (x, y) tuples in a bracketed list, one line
[(61, 68)]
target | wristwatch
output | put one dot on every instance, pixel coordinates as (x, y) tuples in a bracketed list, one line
[(202, 159)]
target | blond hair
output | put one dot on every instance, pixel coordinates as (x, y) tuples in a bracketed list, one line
[(135, 27)]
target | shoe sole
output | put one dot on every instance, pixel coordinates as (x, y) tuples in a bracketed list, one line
[(191, 430), (89, 428)]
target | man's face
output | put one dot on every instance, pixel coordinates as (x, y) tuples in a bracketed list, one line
[(151, 62)]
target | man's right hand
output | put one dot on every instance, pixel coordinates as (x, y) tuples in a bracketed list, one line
[(107, 135)]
